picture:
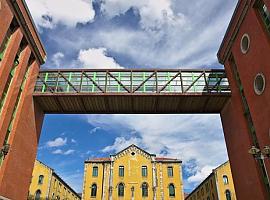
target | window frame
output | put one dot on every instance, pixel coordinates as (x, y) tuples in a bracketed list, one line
[(144, 171), (39, 197), (225, 179), (121, 190), (168, 171), (40, 179), (171, 186), (93, 190), (264, 16), (95, 171), (228, 192), (144, 189), (121, 171)]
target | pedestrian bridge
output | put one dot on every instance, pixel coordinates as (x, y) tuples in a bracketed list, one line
[(133, 91)]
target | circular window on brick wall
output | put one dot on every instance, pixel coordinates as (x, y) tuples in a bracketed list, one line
[(259, 83), (245, 43)]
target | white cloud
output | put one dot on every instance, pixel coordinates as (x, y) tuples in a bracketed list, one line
[(120, 143), (56, 59), (57, 142), (201, 174), (97, 58), (94, 130), (154, 13), (59, 151), (49, 13), (196, 138)]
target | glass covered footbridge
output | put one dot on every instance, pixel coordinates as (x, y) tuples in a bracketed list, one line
[(132, 91)]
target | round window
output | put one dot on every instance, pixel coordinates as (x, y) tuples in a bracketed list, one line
[(133, 153), (259, 84), (245, 43)]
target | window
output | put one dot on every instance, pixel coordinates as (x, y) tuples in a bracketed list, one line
[(171, 190), (95, 171), (170, 171), (228, 195), (94, 190), (37, 195), (40, 179), (144, 171), (121, 171), (259, 83), (121, 190), (144, 190), (264, 12), (225, 180)]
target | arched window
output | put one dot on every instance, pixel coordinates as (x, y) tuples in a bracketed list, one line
[(225, 180), (171, 190), (144, 190), (228, 195), (121, 190), (37, 195), (40, 179), (94, 190)]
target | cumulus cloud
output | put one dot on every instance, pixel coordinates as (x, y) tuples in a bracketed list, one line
[(57, 142), (196, 138), (97, 58), (56, 58), (59, 151), (49, 13), (153, 13), (170, 34), (201, 174), (121, 143)]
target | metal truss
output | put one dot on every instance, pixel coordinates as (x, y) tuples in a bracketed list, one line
[(132, 81)]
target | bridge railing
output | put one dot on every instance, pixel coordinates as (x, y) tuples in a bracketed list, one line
[(132, 81)]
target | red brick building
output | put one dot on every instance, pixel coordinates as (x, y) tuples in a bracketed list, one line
[(21, 54), (246, 118)]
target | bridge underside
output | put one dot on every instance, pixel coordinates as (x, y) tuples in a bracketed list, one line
[(132, 92), (131, 104)]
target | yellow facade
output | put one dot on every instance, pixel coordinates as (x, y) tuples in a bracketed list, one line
[(217, 186), (48, 185), (143, 176)]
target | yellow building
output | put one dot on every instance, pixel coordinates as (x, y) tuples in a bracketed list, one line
[(47, 185), (133, 174), (217, 186)]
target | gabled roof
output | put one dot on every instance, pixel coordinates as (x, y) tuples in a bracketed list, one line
[(157, 159), (133, 145)]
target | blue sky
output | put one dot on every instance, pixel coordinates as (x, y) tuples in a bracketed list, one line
[(132, 34)]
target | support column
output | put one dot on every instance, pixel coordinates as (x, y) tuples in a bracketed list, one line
[(8, 61), (12, 95), (16, 170), (6, 18), (154, 179), (111, 180)]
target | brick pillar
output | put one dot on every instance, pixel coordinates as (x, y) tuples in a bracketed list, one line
[(13, 92), (7, 62), (6, 18), (16, 171)]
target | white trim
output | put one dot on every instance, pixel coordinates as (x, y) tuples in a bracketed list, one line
[(244, 51)]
